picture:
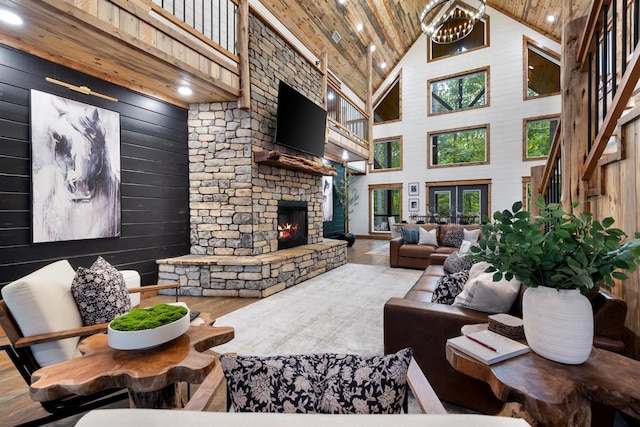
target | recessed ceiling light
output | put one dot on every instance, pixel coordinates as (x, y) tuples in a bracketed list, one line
[(383, 65), (345, 155), (330, 96), (342, 1), (551, 18), (183, 90), (373, 48), (10, 17), (359, 27)]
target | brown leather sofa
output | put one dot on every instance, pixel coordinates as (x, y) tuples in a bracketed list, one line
[(414, 321), (417, 256)]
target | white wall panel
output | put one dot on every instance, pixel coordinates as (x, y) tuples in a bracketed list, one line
[(505, 115)]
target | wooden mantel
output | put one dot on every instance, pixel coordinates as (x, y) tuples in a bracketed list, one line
[(300, 164)]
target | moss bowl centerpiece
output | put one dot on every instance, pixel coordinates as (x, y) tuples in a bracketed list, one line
[(143, 328)]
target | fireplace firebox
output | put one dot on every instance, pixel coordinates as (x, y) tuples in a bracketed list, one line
[(292, 224)]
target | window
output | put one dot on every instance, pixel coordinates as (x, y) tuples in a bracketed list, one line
[(385, 200), (542, 71), (538, 136), (477, 39), (389, 107), (387, 154), (459, 92), (468, 146)]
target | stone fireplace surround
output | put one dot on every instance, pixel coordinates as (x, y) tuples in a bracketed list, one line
[(233, 203)]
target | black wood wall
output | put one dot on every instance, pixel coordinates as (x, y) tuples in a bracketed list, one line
[(336, 226), (154, 174)]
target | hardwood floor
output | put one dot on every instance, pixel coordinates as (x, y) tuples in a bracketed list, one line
[(16, 407)]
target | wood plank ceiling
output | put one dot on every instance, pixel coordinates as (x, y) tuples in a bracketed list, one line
[(391, 25)]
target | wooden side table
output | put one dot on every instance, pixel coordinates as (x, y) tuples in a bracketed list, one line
[(554, 394), (150, 375)]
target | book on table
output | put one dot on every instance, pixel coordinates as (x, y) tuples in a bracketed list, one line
[(487, 346)]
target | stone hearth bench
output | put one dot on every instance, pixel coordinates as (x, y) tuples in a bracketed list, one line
[(251, 276)]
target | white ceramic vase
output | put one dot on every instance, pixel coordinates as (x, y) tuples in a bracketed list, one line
[(558, 324)]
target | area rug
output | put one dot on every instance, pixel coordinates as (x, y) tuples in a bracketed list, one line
[(339, 312), (380, 250)]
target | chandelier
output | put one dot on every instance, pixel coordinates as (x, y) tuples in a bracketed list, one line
[(447, 21)]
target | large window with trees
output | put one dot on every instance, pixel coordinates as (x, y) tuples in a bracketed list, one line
[(459, 147), (385, 200), (538, 136), (542, 70), (387, 154), (458, 92)]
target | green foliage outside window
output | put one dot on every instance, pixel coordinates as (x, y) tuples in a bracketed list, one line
[(539, 137), (387, 154), (459, 93), (467, 146), (386, 203)]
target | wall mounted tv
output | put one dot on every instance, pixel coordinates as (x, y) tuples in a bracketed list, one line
[(300, 123)]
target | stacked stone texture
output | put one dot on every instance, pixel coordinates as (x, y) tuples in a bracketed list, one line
[(233, 201)]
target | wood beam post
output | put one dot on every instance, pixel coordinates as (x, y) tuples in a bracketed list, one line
[(242, 37), (369, 100), (324, 68), (574, 114)]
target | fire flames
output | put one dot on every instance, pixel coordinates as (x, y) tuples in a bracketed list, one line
[(287, 230)]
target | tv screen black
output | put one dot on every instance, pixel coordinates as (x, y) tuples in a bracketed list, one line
[(300, 123)]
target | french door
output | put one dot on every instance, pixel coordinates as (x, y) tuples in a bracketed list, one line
[(466, 204)]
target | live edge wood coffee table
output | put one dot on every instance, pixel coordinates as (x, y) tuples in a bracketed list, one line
[(554, 394), (151, 375)]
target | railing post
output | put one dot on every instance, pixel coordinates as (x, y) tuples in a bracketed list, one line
[(244, 102)]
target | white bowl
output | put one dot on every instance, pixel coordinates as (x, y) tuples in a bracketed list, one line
[(148, 338)]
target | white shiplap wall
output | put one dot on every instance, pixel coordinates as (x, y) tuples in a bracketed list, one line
[(505, 115)]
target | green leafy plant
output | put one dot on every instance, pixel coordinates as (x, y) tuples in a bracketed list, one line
[(557, 249)]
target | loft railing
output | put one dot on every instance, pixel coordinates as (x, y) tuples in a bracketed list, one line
[(609, 54), (214, 19), (551, 186), (345, 117)]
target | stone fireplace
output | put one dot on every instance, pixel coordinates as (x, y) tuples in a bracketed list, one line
[(236, 244), (292, 224)]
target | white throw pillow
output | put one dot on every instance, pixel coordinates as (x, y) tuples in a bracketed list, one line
[(428, 237), (471, 235), (42, 302), (465, 248), (481, 293)]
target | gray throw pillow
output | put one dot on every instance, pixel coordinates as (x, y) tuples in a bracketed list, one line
[(456, 262), (453, 239)]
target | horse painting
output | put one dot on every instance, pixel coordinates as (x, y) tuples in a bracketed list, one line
[(75, 170)]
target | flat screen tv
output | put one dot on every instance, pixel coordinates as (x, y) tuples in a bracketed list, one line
[(301, 124)]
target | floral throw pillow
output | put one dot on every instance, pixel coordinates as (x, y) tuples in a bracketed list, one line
[(365, 385), (274, 384), (317, 383), (100, 293), (449, 287)]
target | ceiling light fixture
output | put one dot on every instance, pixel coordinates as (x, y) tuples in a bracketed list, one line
[(183, 90), (551, 19), (383, 65), (10, 17), (373, 48), (345, 155), (359, 27), (448, 21)]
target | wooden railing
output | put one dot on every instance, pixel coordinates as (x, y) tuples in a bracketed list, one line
[(351, 119), (609, 54), (551, 184), (216, 20)]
